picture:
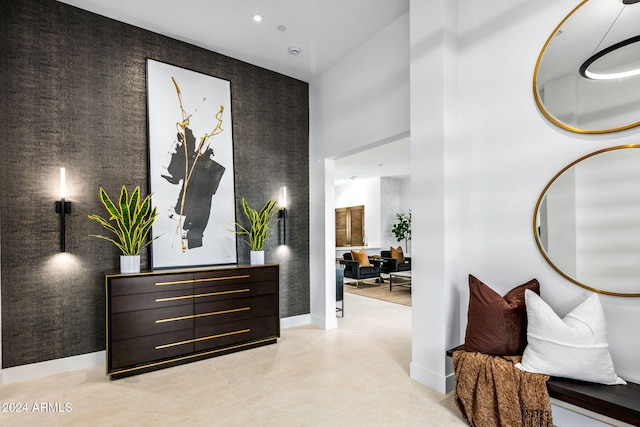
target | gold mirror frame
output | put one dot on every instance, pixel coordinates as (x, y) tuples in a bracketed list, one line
[(579, 34), (535, 224)]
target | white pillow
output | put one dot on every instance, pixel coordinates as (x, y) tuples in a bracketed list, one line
[(573, 347)]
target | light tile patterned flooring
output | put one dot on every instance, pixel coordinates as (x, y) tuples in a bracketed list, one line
[(355, 375)]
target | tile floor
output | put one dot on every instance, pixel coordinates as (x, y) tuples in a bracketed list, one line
[(355, 375)]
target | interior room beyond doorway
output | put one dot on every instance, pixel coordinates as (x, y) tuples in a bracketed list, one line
[(377, 181)]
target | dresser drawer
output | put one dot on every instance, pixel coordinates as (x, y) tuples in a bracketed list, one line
[(212, 313), (136, 351), (238, 275), (226, 334), (133, 324), (149, 300), (126, 285), (227, 291)]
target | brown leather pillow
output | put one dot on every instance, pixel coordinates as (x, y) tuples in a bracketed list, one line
[(397, 254), (361, 257), (497, 325)]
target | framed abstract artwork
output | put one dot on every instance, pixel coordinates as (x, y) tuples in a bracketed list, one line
[(191, 172)]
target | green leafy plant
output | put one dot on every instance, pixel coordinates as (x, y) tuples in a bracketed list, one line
[(133, 220), (402, 228), (261, 224)]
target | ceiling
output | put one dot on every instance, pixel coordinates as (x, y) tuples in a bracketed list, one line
[(324, 30)]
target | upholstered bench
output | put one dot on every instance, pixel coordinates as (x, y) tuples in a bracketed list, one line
[(619, 402)]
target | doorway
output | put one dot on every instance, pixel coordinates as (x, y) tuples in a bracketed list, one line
[(379, 180)]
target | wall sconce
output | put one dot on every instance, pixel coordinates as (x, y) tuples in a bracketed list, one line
[(283, 214), (62, 208)]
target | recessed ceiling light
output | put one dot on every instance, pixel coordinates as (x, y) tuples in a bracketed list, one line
[(257, 17), (282, 28)]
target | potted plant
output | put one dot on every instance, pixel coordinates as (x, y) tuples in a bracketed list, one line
[(260, 228), (133, 220), (402, 228)]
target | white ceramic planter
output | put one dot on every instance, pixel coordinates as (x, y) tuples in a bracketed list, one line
[(129, 264), (256, 257)]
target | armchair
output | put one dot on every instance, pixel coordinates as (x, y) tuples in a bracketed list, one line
[(353, 270), (392, 265)]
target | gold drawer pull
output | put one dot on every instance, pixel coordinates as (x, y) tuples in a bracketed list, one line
[(174, 298), (243, 331), (214, 279), (177, 282), (173, 319), (173, 344), (210, 294), (212, 313), (209, 279)]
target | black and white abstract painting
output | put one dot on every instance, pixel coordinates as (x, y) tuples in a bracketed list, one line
[(190, 167)]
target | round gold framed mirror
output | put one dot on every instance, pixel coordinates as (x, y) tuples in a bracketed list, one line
[(587, 76), (586, 222)]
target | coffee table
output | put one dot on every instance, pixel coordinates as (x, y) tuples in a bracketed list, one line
[(401, 274)]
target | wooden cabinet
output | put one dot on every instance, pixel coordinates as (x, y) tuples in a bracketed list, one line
[(161, 319), (350, 226)]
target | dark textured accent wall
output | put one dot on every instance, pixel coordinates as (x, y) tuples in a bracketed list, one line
[(74, 95)]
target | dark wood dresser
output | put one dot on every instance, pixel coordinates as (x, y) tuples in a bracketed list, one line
[(161, 319)]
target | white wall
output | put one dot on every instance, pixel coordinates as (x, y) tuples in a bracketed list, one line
[(481, 155), (396, 198), (439, 187), (363, 100)]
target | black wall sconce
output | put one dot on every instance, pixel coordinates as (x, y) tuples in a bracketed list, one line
[(63, 208), (283, 214)]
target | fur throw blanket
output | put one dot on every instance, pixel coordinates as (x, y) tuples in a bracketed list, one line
[(490, 391)]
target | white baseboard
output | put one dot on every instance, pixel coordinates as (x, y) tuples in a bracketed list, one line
[(324, 323), (430, 379), (51, 367), (293, 321)]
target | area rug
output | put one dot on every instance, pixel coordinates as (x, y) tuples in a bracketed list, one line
[(399, 294)]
